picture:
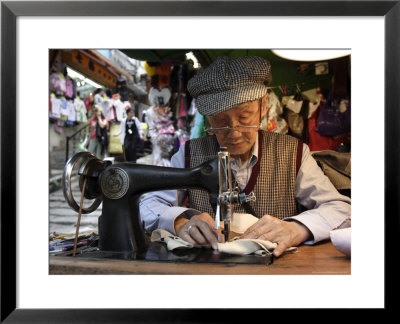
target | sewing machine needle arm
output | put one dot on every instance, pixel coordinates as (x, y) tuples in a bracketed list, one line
[(217, 217)]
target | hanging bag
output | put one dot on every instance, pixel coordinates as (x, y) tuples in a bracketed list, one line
[(334, 118), (297, 121), (115, 145)]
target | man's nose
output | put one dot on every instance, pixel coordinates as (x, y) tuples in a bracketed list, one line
[(233, 133)]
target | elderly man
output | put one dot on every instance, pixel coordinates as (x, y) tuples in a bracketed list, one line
[(278, 169)]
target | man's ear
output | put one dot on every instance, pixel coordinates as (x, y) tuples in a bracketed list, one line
[(264, 104)]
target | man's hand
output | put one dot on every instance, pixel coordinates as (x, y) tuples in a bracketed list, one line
[(286, 234), (199, 230)]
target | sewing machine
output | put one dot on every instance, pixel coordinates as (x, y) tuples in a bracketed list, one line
[(119, 188)]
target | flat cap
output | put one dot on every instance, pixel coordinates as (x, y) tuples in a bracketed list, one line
[(229, 82)]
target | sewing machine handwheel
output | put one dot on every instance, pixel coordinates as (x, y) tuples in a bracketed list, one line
[(78, 166)]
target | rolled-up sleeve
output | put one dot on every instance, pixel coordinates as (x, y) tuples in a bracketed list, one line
[(159, 209), (327, 208)]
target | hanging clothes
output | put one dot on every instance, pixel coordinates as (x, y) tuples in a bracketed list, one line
[(164, 73), (159, 97), (318, 142), (69, 88), (55, 111), (161, 132), (106, 105), (57, 83), (71, 111), (64, 109), (80, 109), (88, 102), (117, 110), (296, 116), (273, 121)]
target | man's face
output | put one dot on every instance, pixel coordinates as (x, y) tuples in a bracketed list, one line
[(239, 144)]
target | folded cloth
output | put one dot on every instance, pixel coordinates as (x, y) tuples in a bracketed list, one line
[(173, 242), (247, 246), (336, 166), (341, 240), (240, 222)]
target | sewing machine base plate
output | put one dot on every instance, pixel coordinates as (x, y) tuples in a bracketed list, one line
[(158, 252)]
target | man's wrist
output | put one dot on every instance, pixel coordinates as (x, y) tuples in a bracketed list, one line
[(179, 222), (305, 232)]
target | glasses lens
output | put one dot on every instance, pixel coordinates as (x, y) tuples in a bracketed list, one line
[(224, 130)]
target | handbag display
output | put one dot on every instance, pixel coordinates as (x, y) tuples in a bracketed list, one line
[(115, 145), (334, 117), (297, 122)]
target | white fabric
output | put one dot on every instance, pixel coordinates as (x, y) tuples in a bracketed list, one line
[(173, 242), (285, 100), (239, 224), (313, 95), (156, 95), (80, 110), (106, 106), (71, 111), (64, 109), (247, 246), (273, 122), (341, 239), (236, 246), (119, 109), (55, 108), (294, 105), (98, 99)]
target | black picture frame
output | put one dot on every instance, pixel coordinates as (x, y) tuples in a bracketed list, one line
[(10, 10)]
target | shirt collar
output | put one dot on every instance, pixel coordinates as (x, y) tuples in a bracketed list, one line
[(254, 156)]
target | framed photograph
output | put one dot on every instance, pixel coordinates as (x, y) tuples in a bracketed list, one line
[(30, 28)]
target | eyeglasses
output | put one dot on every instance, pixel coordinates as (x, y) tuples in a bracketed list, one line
[(226, 129)]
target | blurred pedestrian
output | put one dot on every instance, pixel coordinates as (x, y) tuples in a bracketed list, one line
[(98, 96), (131, 133), (98, 133)]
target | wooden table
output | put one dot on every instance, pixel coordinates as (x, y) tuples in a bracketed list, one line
[(319, 259)]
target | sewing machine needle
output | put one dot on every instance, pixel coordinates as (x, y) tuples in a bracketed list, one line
[(217, 217)]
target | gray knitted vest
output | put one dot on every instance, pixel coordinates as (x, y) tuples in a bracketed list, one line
[(272, 180)]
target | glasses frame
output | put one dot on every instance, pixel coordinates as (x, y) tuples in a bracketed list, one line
[(226, 129)]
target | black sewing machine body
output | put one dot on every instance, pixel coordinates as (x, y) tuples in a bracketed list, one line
[(119, 187)]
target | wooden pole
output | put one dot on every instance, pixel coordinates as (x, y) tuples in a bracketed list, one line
[(78, 223)]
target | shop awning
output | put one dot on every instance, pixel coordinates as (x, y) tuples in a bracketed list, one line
[(157, 55), (95, 66), (285, 72), (205, 56)]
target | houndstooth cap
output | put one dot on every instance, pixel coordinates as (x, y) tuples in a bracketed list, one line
[(227, 83)]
